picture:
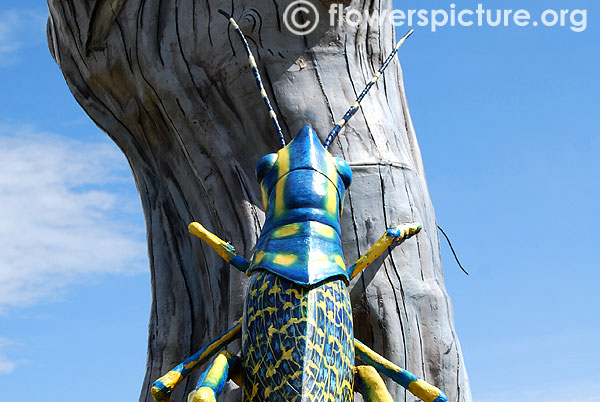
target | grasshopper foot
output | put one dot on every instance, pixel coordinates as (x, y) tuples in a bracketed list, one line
[(203, 394), (404, 231)]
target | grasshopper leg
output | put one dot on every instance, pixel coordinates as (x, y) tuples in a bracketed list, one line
[(224, 249), (416, 386), (371, 385), (210, 384), (164, 386), (398, 233)]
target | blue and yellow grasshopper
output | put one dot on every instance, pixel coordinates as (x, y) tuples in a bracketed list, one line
[(297, 334)]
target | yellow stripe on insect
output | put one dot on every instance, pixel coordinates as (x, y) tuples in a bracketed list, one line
[(258, 257), (272, 114), (341, 123), (322, 229), (331, 199), (233, 23), (283, 162), (285, 259), (331, 196), (194, 363), (275, 290), (264, 196), (270, 372), (287, 230), (263, 93)]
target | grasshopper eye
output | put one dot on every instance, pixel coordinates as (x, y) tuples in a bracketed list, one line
[(264, 165), (344, 171)]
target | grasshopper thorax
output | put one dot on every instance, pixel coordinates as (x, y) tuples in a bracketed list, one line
[(303, 188)]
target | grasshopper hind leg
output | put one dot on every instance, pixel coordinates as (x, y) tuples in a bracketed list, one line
[(370, 385), (210, 384), (416, 386)]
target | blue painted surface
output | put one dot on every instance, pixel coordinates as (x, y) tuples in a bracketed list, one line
[(239, 262), (308, 354), (310, 177)]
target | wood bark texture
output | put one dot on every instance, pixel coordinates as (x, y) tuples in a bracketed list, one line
[(169, 82)]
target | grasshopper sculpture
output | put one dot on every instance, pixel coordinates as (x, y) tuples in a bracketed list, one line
[(297, 335)]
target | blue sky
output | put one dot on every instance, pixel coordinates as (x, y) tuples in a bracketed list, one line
[(507, 123)]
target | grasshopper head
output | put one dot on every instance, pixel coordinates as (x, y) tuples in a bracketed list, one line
[(303, 174)]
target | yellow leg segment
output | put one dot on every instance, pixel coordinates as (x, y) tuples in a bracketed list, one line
[(225, 366), (400, 232), (371, 385), (224, 249), (204, 394)]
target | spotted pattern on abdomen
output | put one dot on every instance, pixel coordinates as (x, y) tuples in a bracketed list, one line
[(298, 342)]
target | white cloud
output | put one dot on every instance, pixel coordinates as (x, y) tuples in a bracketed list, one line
[(6, 365), (20, 29), (65, 214)]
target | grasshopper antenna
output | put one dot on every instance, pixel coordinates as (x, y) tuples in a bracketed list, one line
[(340, 124), (259, 83), (452, 248)]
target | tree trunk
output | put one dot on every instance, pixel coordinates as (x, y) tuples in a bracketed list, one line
[(168, 81)]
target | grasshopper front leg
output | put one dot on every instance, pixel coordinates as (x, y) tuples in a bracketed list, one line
[(224, 249), (399, 233)]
